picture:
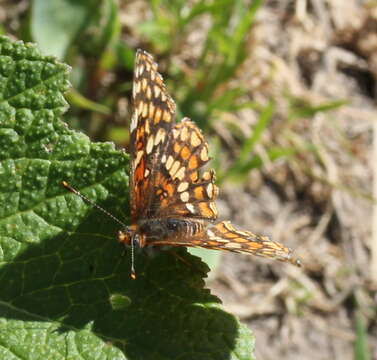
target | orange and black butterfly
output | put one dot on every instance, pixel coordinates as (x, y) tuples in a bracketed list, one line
[(172, 201)]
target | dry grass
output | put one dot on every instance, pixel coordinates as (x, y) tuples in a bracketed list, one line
[(320, 203)]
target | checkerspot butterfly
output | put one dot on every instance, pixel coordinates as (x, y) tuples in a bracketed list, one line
[(172, 201)]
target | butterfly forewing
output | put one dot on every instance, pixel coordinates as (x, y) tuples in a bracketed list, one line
[(152, 120)]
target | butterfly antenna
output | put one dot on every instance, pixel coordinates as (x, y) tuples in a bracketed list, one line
[(78, 193), (133, 272)]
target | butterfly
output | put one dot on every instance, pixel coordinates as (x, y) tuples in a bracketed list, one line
[(172, 200)]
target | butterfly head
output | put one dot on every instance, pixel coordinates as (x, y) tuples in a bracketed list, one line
[(130, 236)]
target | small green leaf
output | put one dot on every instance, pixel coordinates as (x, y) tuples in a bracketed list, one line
[(55, 24), (66, 292)]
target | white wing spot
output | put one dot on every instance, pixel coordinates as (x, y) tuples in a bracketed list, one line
[(185, 196), (195, 140), (180, 174), (133, 121), (157, 91), (183, 186), (209, 190), (233, 245), (174, 168), (169, 163), (150, 144), (138, 157), (160, 136)]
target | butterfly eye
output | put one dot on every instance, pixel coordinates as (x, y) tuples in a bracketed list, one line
[(136, 240)]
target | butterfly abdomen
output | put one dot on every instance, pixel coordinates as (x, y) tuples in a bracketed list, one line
[(160, 229)]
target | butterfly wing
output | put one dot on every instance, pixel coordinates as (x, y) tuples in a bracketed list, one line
[(165, 156), (224, 236), (152, 120), (180, 190)]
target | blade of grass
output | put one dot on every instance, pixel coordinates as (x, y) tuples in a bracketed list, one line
[(361, 349)]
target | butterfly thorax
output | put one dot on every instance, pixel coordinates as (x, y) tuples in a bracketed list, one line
[(156, 230)]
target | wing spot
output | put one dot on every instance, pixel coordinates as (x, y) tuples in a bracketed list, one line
[(146, 126), (157, 91), (204, 154), (150, 142), (244, 233), (133, 121), (169, 163), (206, 175), (193, 162), (194, 176), (210, 191), (195, 139), (198, 193), (145, 110), (166, 116), (138, 157), (146, 173), (163, 97), (183, 186), (233, 245), (177, 147), (180, 173), (175, 133), (191, 208), (185, 196), (140, 107), (160, 137), (213, 207), (157, 116), (144, 84), (184, 134), (229, 226), (141, 70), (138, 87), (163, 159), (151, 109), (174, 168), (149, 93), (185, 153)]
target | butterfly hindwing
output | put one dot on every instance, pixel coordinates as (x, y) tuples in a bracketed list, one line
[(224, 236), (180, 189)]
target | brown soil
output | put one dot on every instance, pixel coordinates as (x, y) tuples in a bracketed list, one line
[(319, 203)]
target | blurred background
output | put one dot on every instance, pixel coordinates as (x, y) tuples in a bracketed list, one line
[(285, 93)]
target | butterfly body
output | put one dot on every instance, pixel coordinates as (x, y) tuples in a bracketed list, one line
[(172, 200)]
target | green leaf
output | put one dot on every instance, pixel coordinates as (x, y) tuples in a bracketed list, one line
[(55, 24), (65, 286)]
